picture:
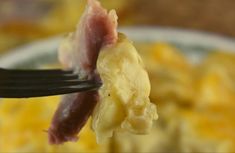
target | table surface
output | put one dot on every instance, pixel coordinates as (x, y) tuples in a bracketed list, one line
[(20, 24), (207, 15)]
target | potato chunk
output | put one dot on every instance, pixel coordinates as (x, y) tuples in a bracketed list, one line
[(124, 102)]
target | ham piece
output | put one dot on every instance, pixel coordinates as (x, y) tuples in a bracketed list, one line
[(97, 29)]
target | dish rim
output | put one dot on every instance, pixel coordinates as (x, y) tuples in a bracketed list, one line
[(143, 34)]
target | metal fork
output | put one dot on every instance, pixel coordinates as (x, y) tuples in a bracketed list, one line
[(38, 83)]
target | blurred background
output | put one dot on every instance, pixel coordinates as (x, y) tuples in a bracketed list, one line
[(22, 21), (195, 103)]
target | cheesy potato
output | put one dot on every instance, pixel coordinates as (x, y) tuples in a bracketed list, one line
[(170, 73), (211, 130), (216, 80), (124, 95)]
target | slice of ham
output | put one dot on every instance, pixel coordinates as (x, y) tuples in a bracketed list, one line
[(97, 28)]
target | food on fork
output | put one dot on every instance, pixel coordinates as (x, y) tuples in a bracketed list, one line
[(97, 52)]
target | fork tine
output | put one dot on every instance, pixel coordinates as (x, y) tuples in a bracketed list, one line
[(25, 93), (41, 84), (57, 82), (35, 73), (44, 71), (28, 77), (37, 83)]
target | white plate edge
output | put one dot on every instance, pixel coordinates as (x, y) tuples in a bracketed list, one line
[(190, 37)]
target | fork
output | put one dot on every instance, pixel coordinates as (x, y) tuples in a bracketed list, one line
[(38, 83)]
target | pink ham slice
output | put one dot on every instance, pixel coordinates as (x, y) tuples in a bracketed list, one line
[(97, 28)]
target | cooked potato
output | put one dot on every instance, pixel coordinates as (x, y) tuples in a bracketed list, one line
[(124, 96)]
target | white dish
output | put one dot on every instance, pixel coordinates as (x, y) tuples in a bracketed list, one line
[(194, 44)]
